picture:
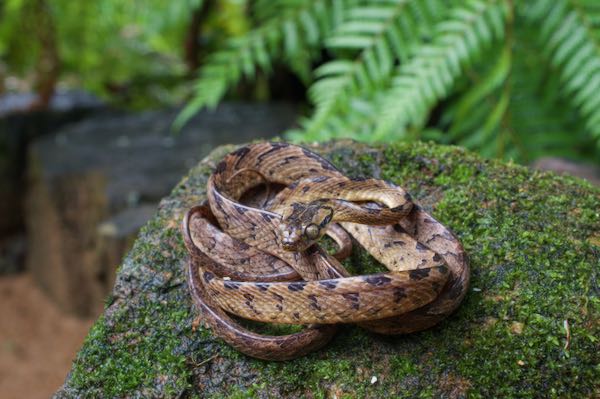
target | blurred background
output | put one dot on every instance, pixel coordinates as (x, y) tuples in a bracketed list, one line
[(105, 104)]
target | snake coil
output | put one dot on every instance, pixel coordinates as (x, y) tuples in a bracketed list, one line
[(260, 260)]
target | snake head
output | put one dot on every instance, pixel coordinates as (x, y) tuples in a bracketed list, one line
[(304, 224)]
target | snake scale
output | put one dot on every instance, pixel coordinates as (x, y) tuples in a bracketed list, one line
[(254, 254)]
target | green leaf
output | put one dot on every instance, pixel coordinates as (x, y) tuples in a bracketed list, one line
[(481, 89), (455, 46)]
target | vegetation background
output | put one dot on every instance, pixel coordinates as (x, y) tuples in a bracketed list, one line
[(509, 79)]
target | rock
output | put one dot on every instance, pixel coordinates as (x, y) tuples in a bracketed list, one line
[(62, 101), (534, 258), (565, 166), (116, 235), (18, 127), (12, 254), (62, 219), (91, 171)]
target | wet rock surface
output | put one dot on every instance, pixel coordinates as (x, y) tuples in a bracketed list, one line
[(528, 326), (141, 158)]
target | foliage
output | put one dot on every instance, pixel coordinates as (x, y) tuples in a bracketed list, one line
[(509, 79), (113, 46), (292, 35)]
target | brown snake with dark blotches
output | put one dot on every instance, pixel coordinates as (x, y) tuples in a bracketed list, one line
[(264, 263)]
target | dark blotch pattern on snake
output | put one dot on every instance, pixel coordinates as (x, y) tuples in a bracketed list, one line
[(260, 259)]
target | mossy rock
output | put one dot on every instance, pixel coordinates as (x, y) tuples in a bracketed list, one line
[(534, 244)]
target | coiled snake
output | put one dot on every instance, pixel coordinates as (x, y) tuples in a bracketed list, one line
[(260, 260)]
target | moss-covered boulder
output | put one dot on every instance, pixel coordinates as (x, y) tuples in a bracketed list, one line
[(528, 326)]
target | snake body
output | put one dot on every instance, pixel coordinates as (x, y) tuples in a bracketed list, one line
[(262, 262)]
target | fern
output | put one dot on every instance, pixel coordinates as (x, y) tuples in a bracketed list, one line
[(535, 120), (430, 75), (508, 79), (291, 36), (570, 43), (356, 117), (382, 34), (479, 117)]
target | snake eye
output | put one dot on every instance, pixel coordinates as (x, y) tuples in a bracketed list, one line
[(312, 231)]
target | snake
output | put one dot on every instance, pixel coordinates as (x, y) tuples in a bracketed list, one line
[(256, 253)]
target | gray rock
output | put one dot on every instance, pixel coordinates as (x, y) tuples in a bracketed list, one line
[(12, 254), (528, 326), (20, 125), (565, 166)]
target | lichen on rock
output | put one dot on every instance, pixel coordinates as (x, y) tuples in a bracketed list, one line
[(534, 247)]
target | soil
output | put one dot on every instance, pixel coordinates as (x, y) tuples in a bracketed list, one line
[(37, 341)]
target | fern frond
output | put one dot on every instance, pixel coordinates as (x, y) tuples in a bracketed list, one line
[(290, 36), (378, 35), (476, 63), (354, 120), (573, 49), (534, 121), (477, 116), (430, 75), (266, 10), (589, 10)]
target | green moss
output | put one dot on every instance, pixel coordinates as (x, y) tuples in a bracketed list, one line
[(361, 262), (114, 361), (534, 250), (121, 353), (239, 392)]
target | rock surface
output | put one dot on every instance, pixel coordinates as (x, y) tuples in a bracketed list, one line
[(87, 174), (527, 328), (564, 166), (20, 125), (12, 254)]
